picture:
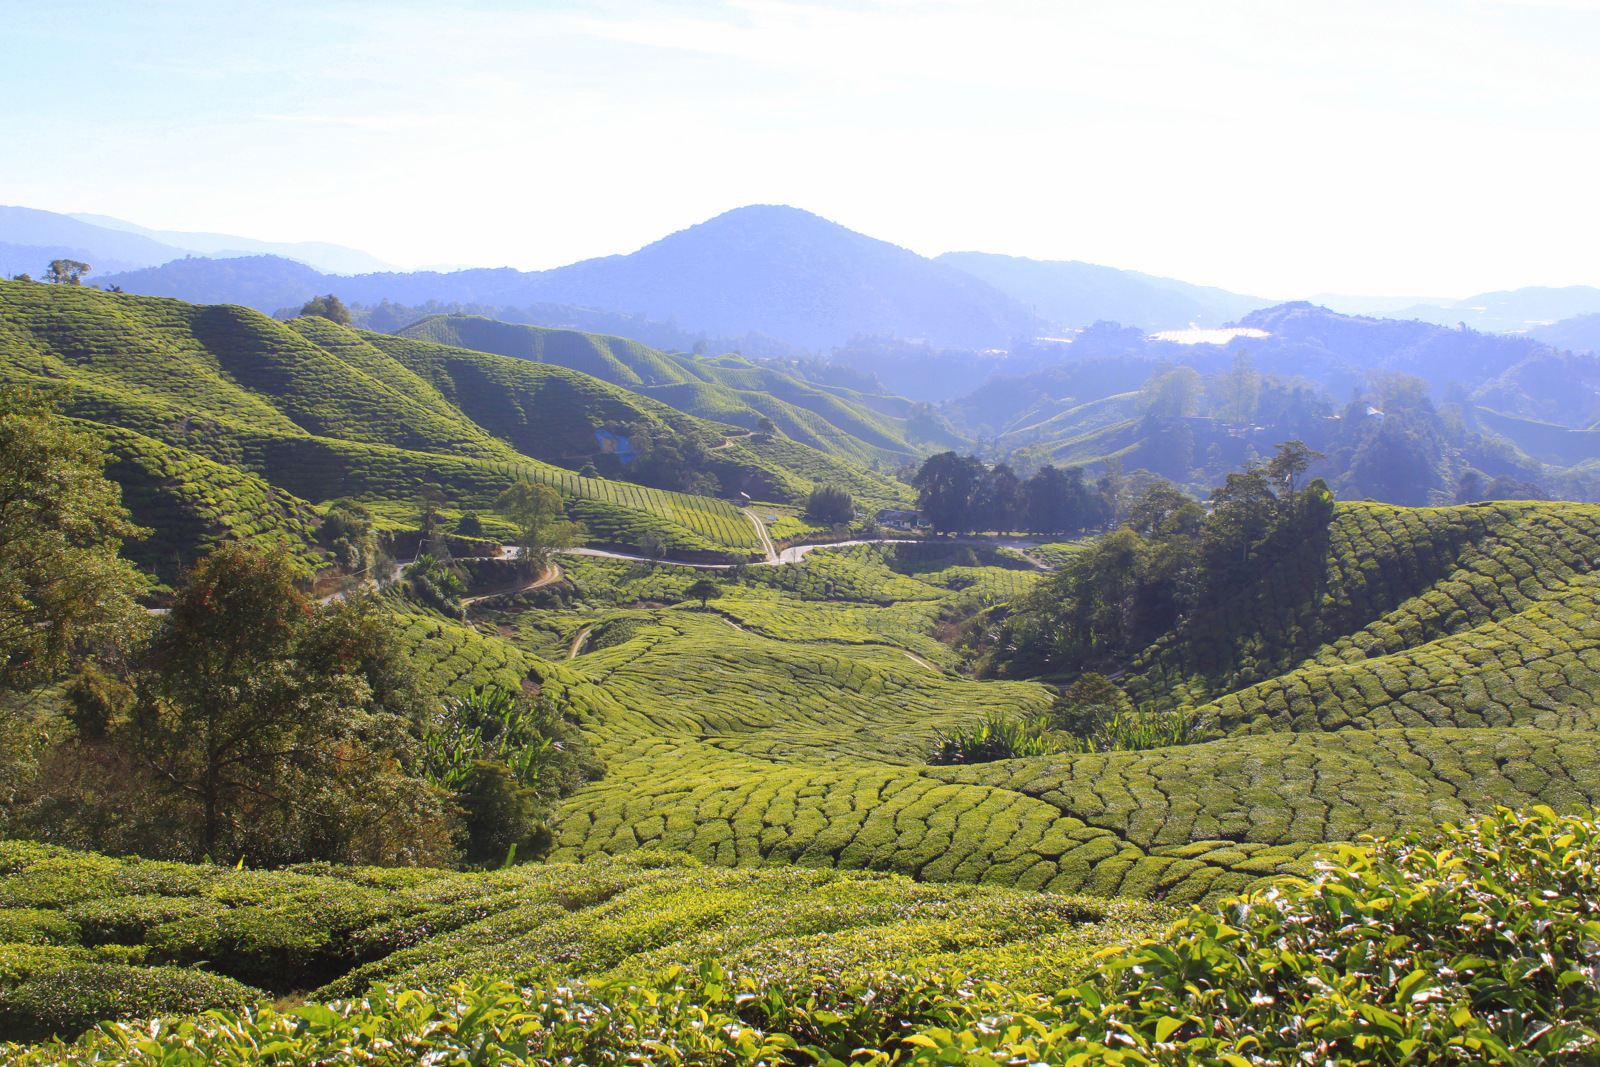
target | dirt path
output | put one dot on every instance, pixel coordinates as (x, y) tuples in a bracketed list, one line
[(549, 576), (578, 641), (761, 532), (919, 661)]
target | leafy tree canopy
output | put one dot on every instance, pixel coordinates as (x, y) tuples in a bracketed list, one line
[(328, 307), (66, 272), (277, 728), (539, 513), (63, 588), (703, 589), (830, 504)]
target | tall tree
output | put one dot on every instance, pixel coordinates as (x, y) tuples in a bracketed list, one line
[(275, 717), (703, 589), (327, 307), (1052, 497), (538, 512), (831, 504), (999, 502), (1288, 466), (1172, 391), (945, 485), (1241, 390), (1164, 511), (63, 588), (66, 272), (1243, 510)]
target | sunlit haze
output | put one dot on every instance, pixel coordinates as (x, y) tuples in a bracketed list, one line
[(1435, 149)]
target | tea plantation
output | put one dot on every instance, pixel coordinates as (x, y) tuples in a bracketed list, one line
[(771, 869), (724, 389), (90, 937), (791, 722), (314, 411)]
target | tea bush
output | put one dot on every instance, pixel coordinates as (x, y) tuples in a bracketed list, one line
[(1464, 946)]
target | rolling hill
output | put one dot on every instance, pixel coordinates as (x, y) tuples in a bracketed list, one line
[(728, 389), (1580, 333), (1525, 310), (196, 399), (771, 810), (30, 238)]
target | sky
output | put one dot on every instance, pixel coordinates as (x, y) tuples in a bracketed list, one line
[(1278, 149)]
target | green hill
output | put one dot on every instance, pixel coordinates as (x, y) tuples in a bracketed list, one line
[(310, 411), (1371, 669), (793, 725), (727, 388), (1389, 589)]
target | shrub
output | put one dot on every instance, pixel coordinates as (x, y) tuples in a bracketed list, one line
[(998, 736), (1477, 946), (1120, 728), (66, 1002)]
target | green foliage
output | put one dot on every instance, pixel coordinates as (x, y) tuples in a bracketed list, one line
[(536, 511), (703, 589), (328, 307), (65, 1000), (506, 759), (255, 723), (434, 584), (830, 504), (623, 920), (1137, 584), (834, 421), (63, 590), (1129, 730), (997, 737), (223, 422), (66, 272), (1473, 947)]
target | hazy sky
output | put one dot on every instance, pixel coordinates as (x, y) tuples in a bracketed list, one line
[(1278, 148)]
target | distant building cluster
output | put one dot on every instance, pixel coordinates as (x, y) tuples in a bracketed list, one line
[(900, 520)]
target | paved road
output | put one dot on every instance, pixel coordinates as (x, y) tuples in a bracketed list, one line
[(795, 553)]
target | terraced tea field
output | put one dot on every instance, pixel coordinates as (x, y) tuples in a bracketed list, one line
[(717, 521), (281, 415), (89, 937), (792, 721)]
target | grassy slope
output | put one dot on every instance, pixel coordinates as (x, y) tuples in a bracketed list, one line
[(1460, 616), (788, 726), (549, 411), (190, 503), (1557, 445), (315, 411), (791, 725), (726, 388), (174, 937)]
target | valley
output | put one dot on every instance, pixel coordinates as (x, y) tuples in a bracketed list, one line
[(737, 716), (817, 533)]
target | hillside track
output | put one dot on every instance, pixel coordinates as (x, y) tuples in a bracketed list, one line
[(761, 532), (549, 576)]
